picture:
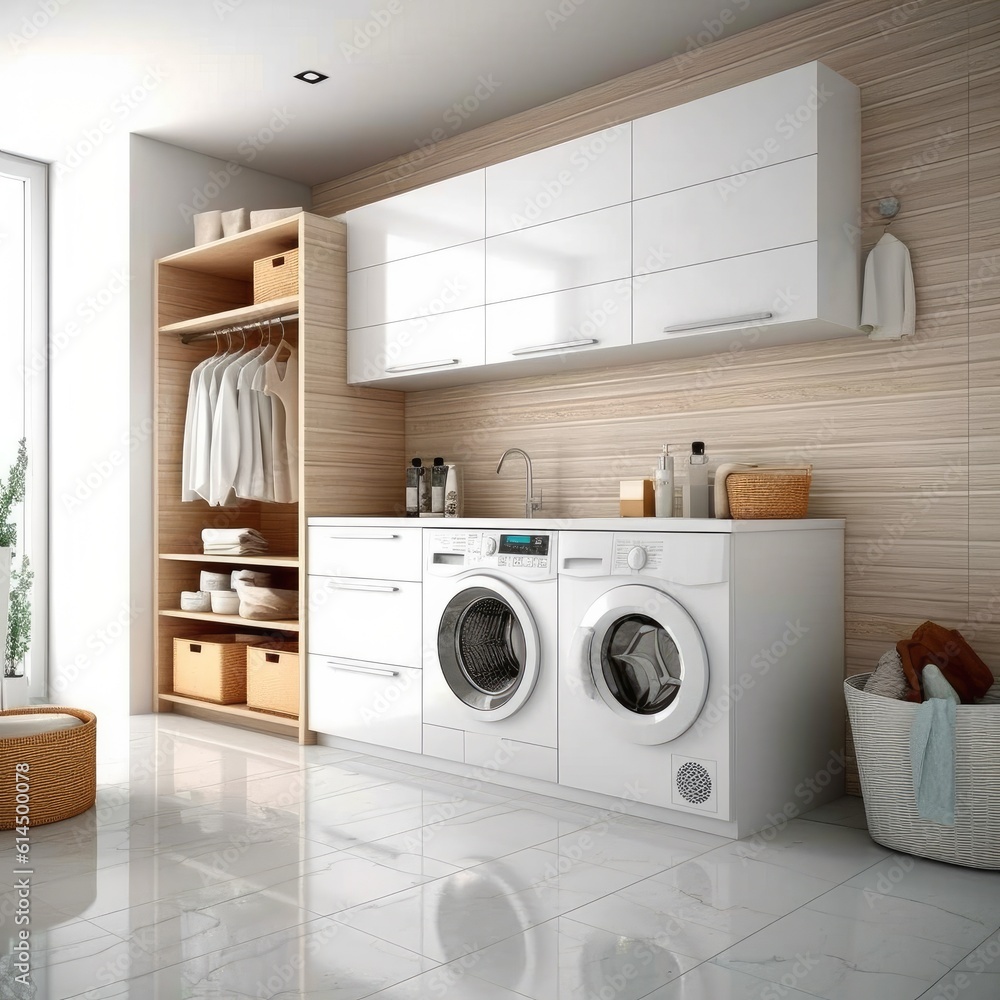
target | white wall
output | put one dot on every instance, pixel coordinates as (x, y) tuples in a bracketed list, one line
[(167, 185)]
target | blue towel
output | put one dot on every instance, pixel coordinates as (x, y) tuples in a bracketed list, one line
[(932, 755)]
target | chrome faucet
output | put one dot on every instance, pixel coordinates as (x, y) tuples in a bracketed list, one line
[(531, 502)]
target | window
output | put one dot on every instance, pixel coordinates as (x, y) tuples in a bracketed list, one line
[(24, 380)]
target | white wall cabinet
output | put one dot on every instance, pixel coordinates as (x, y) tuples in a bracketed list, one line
[(572, 178), (739, 221), (433, 217)]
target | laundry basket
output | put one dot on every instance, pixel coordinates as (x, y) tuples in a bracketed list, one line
[(881, 729)]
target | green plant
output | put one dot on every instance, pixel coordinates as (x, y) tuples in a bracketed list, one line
[(18, 637)]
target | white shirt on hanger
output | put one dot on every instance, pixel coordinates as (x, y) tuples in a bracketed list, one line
[(281, 383), (888, 310)]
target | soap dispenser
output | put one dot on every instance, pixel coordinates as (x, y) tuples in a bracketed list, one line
[(663, 484), (695, 491)]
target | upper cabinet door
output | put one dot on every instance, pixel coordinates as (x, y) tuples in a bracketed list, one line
[(426, 285), (582, 250), (755, 125), (774, 207), (433, 217), (575, 177)]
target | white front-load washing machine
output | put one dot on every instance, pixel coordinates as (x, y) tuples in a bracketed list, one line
[(490, 652), (700, 670)]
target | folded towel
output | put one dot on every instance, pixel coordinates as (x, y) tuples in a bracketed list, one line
[(230, 536), (719, 494), (932, 756)]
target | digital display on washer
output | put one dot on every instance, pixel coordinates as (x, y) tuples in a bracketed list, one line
[(524, 545)]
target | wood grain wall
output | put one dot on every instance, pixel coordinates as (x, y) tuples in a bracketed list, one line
[(904, 437)]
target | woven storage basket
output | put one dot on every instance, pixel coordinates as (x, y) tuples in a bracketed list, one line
[(276, 277), (213, 667), (881, 729), (62, 769), (769, 493), (273, 678)]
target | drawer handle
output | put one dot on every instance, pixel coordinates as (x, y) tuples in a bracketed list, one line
[(721, 321), (564, 345), (420, 365), (359, 668), (372, 588), (386, 536)]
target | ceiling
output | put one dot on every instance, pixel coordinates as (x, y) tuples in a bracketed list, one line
[(217, 76)]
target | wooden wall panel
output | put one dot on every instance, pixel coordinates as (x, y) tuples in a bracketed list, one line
[(904, 437)]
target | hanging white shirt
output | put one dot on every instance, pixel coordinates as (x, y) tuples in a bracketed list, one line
[(281, 383), (888, 310)]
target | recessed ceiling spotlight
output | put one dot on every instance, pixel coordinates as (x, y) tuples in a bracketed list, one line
[(311, 76)]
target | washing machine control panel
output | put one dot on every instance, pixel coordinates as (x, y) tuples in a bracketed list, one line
[(633, 553)]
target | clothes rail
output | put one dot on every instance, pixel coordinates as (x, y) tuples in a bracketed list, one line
[(190, 338)]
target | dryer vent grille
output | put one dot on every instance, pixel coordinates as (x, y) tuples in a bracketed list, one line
[(694, 783)]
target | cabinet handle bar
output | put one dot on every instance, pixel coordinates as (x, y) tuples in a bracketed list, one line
[(561, 346), (721, 321), (420, 365)]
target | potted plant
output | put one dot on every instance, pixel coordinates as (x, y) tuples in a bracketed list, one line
[(15, 586)]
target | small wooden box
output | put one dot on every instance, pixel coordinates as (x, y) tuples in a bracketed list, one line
[(276, 277), (213, 667), (273, 678), (636, 498)]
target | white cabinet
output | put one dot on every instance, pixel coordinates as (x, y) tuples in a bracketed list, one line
[(425, 285), (434, 217), (372, 703), (563, 323), (768, 121), (364, 634), (582, 250), (773, 207), (450, 341), (572, 178)]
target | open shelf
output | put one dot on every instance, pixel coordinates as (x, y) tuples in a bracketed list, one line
[(208, 616), (237, 711), (271, 309), (283, 562)]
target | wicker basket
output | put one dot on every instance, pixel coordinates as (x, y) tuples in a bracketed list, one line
[(276, 277), (62, 769), (769, 493), (881, 729), (213, 667), (273, 678)]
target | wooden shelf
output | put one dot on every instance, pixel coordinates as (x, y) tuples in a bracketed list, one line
[(233, 256), (279, 562), (238, 711), (234, 317), (208, 616)]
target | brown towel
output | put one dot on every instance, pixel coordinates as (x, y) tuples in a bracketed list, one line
[(948, 650)]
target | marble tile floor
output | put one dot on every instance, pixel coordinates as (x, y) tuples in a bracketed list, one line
[(220, 863)]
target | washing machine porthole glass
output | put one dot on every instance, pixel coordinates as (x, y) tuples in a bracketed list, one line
[(641, 664), (481, 648)]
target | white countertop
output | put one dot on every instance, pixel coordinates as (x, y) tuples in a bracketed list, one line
[(700, 524)]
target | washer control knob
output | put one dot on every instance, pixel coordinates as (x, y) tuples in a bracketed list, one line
[(489, 546), (636, 557)]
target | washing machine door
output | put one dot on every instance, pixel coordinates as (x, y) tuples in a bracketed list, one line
[(641, 653), (488, 649)]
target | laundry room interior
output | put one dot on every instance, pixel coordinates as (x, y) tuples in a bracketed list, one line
[(482, 533)]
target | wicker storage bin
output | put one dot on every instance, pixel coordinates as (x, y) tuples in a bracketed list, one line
[(273, 678), (213, 667), (769, 493), (276, 277), (62, 769), (881, 729)]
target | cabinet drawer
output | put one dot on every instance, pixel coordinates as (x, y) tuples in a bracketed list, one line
[(433, 217), (568, 322), (578, 176), (721, 295), (435, 343), (427, 285), (375, 621), (365, 552), (373, 703), (584, 250), (774, 207), (755, 125)]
